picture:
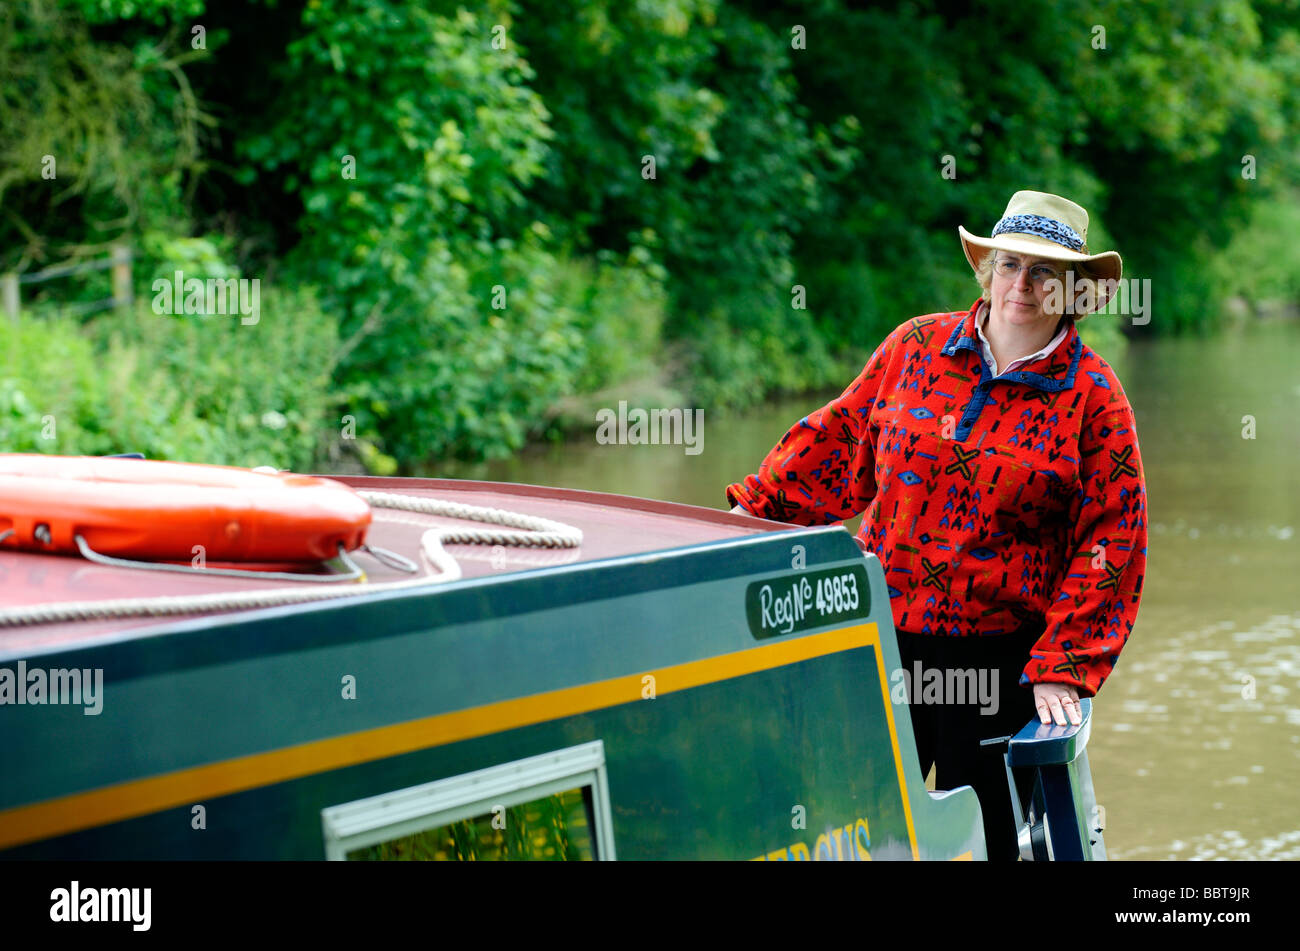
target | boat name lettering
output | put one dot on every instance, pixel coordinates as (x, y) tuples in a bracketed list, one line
[(849, 844), (797, 602)]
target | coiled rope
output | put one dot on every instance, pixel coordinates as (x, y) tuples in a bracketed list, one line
[(536, 533)]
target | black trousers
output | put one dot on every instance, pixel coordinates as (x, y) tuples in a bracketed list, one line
[(948, 734)]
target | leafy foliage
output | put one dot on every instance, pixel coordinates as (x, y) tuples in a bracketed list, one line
[(466, 216), (409, 176), (96, 138), (199, 389)]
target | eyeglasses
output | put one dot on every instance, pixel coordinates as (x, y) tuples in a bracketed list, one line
[(1039, 273)]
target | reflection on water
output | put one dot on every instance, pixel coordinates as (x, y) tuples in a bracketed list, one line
[(1195, 750), (1196, 745)]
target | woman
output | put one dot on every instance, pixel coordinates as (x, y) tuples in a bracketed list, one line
[(996, 458)]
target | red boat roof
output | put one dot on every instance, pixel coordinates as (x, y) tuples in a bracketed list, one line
[(612, 526)]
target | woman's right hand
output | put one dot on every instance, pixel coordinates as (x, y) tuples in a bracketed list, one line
[(1057, 702)]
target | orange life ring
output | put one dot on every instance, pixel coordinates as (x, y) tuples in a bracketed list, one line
[(135, 508)]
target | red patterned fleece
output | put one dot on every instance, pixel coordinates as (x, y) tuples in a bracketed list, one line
[(993, 502)]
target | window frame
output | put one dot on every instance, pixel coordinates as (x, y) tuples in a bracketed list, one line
[(375, 819)]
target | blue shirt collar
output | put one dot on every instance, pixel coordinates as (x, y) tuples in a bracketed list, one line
[(1052, 373)]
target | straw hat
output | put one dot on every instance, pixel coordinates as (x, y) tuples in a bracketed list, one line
[(1046, 226)]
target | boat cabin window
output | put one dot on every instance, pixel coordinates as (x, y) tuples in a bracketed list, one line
[(552, 807)]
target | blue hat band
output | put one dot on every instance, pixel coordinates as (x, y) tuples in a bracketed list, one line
[(1042, 227)]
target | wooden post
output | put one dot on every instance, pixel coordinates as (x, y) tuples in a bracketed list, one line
[(9, 293), (123, 294)]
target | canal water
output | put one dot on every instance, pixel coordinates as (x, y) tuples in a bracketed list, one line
[(1195, 749)]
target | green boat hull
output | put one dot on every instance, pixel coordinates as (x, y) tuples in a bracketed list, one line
[(729, 727)]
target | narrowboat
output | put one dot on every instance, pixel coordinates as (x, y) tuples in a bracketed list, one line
[(666, 682)]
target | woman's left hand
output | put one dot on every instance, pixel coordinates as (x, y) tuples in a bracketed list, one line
[(1055, 702)]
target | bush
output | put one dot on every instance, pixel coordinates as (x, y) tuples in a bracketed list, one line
[(188, 388), (618, 309), (1262, 263)]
